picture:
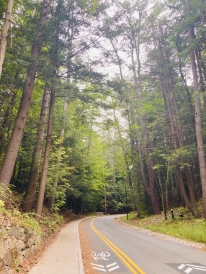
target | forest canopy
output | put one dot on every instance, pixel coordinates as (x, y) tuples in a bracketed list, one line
[(103, 105)]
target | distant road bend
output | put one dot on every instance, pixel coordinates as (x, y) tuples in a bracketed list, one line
[(121, 250)]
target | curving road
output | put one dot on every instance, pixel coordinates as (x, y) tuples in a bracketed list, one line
[(121, 250)]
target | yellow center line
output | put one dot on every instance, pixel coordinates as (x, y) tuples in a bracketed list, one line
[(124, 258)]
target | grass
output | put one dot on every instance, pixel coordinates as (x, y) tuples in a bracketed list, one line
[(187, 228)]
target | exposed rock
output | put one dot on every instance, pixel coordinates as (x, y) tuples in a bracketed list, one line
[(14, 231), (21, 231), (6, 271), (2, 249), (20, 245), (31, 241), (27, 252), (10, 242), (16, 245), (8, 258)]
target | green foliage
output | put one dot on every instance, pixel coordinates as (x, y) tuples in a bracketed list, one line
[(180, 157), (1, 206), (192, 230), (97, 147), (26, 220), (90, 6), (186, 228), (10, 208), (51, 221), (3, 4)]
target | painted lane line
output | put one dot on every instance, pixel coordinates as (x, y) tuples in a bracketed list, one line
[(181, 266), (124, 258), (100, 269), (109, 265), (97, 265), (201, 269), (111, 269), (188, 270)]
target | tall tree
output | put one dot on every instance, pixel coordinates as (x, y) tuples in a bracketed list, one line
[(42, 183), (17, 132), (4, 33), (55, 182), (30, 196), (198, 122)]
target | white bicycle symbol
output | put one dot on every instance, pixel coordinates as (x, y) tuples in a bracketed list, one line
[(101, 256)]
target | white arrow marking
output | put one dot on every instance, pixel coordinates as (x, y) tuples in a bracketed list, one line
[(101, 269), (109, 265), (202, 269), (111, 269), (196, 265), (188, 270), (181, 266), (97, 265)]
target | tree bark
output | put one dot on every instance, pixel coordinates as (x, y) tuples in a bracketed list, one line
[(134, 161), (6, 120), (30, 196), (55, 183), (198, 121), (151, 188), (42, 183), (18, 129), (4, 33), (175, 127), (152, 184)]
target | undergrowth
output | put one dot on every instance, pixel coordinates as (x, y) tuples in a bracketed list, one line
[(183, 226), (10, 209)]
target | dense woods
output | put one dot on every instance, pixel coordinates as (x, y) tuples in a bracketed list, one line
[(103, 105)]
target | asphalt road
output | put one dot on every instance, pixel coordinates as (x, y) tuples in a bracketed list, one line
[(121, 250)]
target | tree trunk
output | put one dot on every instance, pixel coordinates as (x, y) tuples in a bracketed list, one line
[(55, 183), (198, 126), (42, 183), (17, 132), (151, 189), (6, 121), (198, 121), (166, 189), (175, 126), (4, 33), (134, 163), (30, 196)]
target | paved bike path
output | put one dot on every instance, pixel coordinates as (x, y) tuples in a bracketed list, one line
[(64, 255)]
